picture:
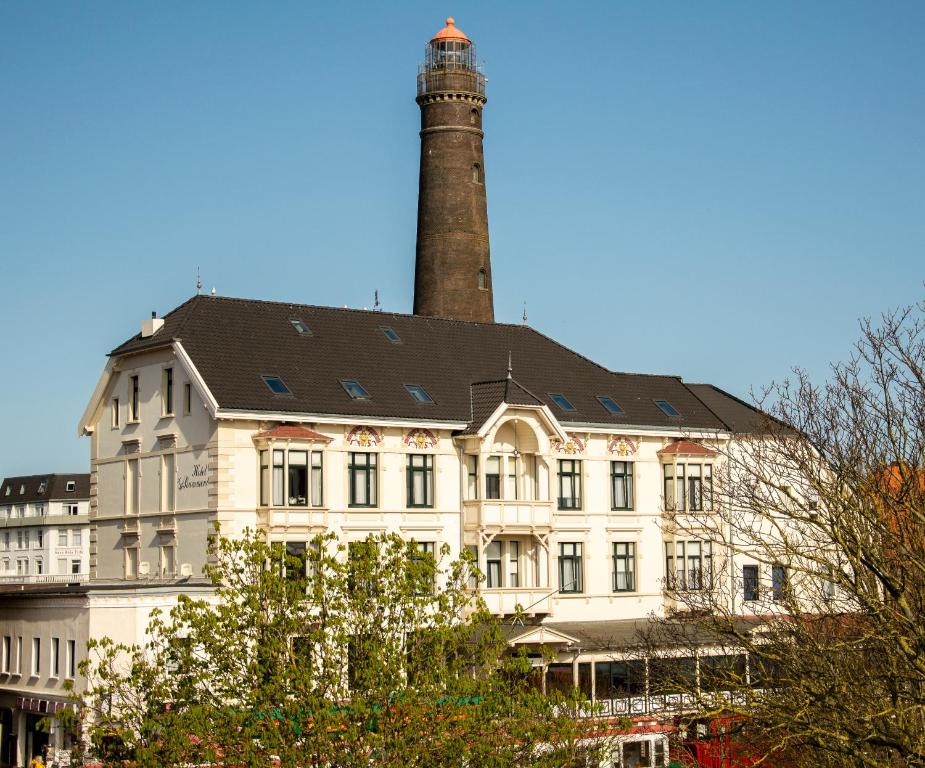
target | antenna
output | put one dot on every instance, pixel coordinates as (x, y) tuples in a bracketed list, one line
[(198, 282), (377, 307), (525, 313), (510, 370)]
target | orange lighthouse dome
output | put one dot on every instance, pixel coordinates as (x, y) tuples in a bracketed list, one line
[(450, 32)]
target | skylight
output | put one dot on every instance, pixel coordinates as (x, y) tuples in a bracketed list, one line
[(419, 393), (668, 409), (276, 385), (354, 389), (610, 404), (562, 401), (301, 326), (390, 334)]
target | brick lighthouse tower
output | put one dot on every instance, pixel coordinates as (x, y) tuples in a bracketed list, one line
[(452, 275)]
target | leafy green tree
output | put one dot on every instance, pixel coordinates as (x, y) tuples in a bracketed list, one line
[(373, 654)]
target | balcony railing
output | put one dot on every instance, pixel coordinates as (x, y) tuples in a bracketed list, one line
[(44, 578), (500, 513), (532, 600)]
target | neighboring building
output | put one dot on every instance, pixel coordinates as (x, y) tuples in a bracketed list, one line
[(44, 529)]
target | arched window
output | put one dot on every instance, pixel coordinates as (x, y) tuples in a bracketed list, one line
[(473, 116), (482, 278), (477, 173)]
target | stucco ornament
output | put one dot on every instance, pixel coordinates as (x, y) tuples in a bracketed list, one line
[(572, 446), (364, 437), (622, 446), (420, 439)]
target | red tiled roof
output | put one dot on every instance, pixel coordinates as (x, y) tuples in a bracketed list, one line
[(291, 432), (686, 448)]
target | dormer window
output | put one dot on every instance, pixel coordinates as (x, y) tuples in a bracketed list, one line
[(562, 401), (610, 404), (42, 486), (419, 393), (668, 409), (22, 489), (276, 385), (71, 486), (301, 326), (354, 389)]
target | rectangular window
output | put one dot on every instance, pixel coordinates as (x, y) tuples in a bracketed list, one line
[(674, 487), (279, 478), (264, 478), (298, 478), (7, 650), (55, 660), (624, 566), (472, 477), (71, 660), (493, 478), (362, 476), (18, 668), (133, 412), (569, 484), (39, 568), (168, 481), (36, 656), (39, 539), (72, 509), (187, 398), (131, 562), (420, 480), (513, 563), (688, 565), (562, 401), (115, 412), (750, 582), (62, 565), (317, 479), (493, 565), (621, 485), (168, 561), (75, 537), (778, 582), (570, 571), (167, 392), (75, 567), (131, 487)]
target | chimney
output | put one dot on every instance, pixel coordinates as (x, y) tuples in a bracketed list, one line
[(152, 326)]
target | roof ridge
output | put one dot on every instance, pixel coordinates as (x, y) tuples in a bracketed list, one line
[(706, 405)]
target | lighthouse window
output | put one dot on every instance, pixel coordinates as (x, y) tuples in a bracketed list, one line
[(482, 279), (474, 117), (477, 173)]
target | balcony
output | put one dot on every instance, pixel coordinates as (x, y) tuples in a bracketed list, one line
[(292, 517), (45, 578), (498, 513), (533, 600)]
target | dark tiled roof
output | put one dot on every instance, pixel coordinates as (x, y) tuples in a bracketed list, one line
[(234, 342), (486, 396), (738, 415), (55, 488)]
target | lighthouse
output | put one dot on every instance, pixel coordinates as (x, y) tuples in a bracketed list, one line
[(452, 276)]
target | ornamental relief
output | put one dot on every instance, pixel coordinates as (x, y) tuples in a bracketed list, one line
[(364, 437), (420, 439), (622, 446), (574, 445)]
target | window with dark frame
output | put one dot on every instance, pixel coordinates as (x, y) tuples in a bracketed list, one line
[(419, 394), (296, 478), (624, 566), (750, 582), (688, 565), (362, 476), (353, 388), (562, 401), (493, 565), (493, 477), (668, 409), (570, 570), (187, 398), (115, 415), (301, 326), (472, 475), (390, 334), (778, 583), (276, 385), (610, 404), (569, 484), (420, 480), (621, 485), (133, 398), (167, 392)]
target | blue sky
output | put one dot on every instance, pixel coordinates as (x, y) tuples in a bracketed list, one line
[(714, 190)]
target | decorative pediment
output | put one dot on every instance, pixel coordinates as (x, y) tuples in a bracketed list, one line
[(686, 448), (573, 446), (622, 447), (420, 439), (364, 437), (542, 635)]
